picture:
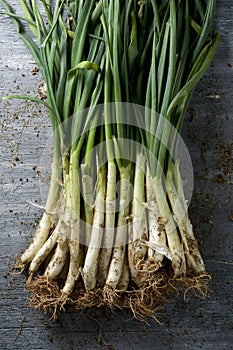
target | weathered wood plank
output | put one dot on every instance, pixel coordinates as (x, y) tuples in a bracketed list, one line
[(208, 133)]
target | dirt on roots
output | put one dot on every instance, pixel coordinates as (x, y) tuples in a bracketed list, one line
[(145, 302)]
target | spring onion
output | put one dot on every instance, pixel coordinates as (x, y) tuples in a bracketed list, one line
[(119, 75)]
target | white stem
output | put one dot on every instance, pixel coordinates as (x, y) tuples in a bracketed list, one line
[(46, 223), (88, 197), (45, 249), (137, 248), (132, 267), (157, 236), (59, 258), (180, 209), (108, 234), (173, 240), (39, 239), (116, 265), (125, 276), (73, 199), (89, 271)]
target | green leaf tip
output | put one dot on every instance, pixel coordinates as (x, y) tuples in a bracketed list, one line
[(89, 66)]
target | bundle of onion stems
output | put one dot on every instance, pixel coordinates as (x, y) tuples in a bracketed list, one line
[(119, 75)]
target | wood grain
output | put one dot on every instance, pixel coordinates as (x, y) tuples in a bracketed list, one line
[(24, 131)]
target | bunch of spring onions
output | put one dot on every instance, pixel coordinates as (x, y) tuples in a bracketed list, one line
[(119, 75)]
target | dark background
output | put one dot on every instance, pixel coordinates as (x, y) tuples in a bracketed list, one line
[(207, 131)]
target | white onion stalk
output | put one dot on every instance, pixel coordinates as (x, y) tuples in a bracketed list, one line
[(180, 210), (137, 248), (46, 222), (47, 247), (59, 258), (88, 197), (173, 240), (89, 271), (108, 234), (157, 235), (125, 276), (74, 224), (61, 229), (116, 265), (39, 239)]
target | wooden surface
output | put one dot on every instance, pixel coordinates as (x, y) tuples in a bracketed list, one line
[(208, 129)]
